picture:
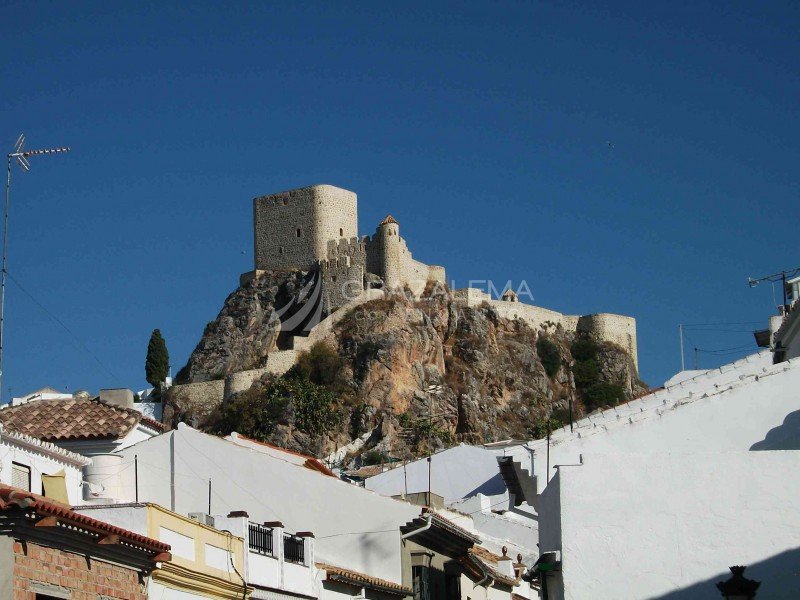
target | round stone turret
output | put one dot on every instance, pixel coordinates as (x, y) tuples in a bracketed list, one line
[(390, 261)]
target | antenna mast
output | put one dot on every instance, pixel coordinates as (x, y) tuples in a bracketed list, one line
[(780, 276), (21, 156)]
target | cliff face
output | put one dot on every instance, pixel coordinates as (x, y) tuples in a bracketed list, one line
[(248, 326), (416, 372)]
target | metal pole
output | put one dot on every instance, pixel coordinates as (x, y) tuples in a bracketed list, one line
[(785, 299), (430, 443), (136, 476), (209, 496), (680, 330), (3, 276)]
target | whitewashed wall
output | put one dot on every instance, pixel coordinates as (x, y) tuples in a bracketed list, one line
[(41, 461), (749, 404), (668, 526), (354, 528)]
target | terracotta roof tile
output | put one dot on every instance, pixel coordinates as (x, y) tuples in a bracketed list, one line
[(355, 578), (485, 566), (75, 418), (11, 497), (389, 219)]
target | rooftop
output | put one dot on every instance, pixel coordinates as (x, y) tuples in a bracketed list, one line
[(360, 579), (74, 419), (55, 514)]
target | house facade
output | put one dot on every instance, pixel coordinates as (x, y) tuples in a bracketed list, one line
[(48, 551), (40, 467), (206, 562)]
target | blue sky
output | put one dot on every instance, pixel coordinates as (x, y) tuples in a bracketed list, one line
[(482, 127)]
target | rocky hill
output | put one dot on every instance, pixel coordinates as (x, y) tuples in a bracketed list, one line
[(402, 374)]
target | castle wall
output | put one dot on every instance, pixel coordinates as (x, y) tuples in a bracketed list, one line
[(617, 329), (292, 228), (277, 364), (325, 327)]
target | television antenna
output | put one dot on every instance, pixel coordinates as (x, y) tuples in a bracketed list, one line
[(20, 156), (779, 276)]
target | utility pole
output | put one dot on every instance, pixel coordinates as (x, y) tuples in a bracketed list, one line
[(433, 390), (21, 156)]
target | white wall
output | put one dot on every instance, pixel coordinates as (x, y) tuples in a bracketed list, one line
[(456, 473), (41, 462), (668, 526), (354, 528), (750, 404)]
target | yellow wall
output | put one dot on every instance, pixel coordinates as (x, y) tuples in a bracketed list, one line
[(195, 574)]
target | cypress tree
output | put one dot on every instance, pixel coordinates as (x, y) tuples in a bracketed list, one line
[(156, 365)]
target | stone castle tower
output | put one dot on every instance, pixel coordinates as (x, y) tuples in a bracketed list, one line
[(317, 228)]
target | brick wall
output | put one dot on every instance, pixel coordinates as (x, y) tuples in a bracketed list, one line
[(42, 570)]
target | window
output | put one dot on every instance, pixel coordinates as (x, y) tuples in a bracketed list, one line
[(420, 577), (341, 232), (299, 232), (280, 249), (21, 476)]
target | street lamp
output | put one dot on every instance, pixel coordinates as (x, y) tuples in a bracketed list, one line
[(738, 587), (21, 156)]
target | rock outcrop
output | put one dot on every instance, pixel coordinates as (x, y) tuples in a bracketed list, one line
[(419, 372)]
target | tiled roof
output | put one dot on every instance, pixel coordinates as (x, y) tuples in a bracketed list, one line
[(447, 524), (59, 453), (73, 419), (360, 579), (366, 472), (475, 562), (11, 497), (389, 220), (310, 462)]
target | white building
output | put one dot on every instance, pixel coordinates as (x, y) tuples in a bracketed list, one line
[(355, 529), (278, 564), (40, 467), (749, 404), (668, 526)]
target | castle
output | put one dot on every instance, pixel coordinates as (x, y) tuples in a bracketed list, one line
[(316, 229)]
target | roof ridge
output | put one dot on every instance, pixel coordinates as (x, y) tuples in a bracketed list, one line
[(602, 421)]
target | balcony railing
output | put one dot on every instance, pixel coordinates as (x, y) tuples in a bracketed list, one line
[(293, 549), (260, 539)]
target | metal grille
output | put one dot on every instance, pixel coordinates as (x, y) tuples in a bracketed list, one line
[(293, 548), (21, 476), (260, 539)]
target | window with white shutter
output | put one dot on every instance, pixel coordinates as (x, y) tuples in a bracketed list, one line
[(21, 476)]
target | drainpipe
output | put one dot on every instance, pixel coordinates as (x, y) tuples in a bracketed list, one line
[(425, 527)]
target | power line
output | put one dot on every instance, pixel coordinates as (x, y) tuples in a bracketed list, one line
[(80, 344)]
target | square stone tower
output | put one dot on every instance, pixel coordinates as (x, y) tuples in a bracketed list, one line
[(292, 229)]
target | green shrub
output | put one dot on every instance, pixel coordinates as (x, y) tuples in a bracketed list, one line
[(603, 394), (550, 355), (584, 349), (539, 428), (373, 457), (321, 364), (257, 412), (586, 374)]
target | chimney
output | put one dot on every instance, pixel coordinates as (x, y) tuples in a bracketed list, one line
[(121, 397)]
